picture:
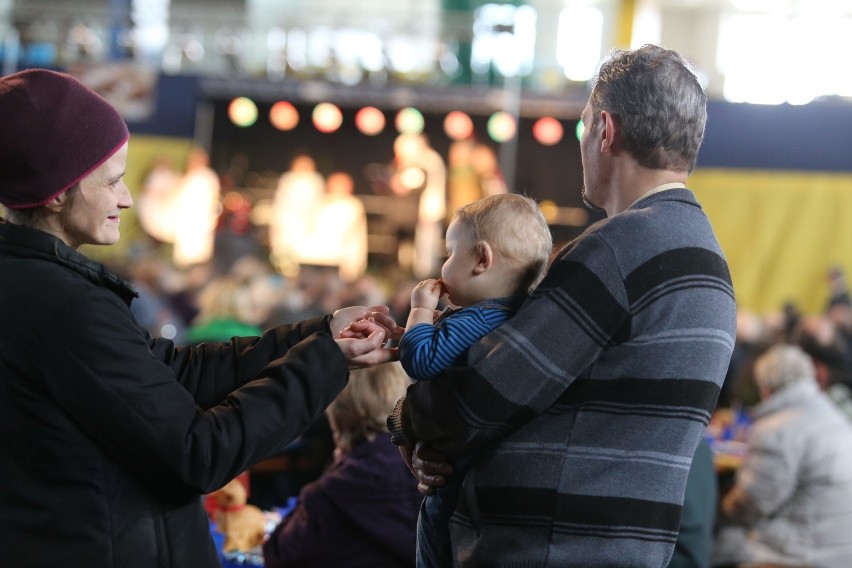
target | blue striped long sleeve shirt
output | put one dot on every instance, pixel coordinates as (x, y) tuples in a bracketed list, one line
[(426, 350)]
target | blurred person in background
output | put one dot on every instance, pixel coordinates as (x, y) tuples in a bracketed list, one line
[(224, 305), (198, 206), (791, 503), (839, 311), (838, 289), (109, 437), (824, 341), (158, 200), (338, 236), (694, 546), (297, 199), (363, 510), (155, 307), (419, 183)]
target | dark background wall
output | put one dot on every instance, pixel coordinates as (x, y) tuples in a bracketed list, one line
[(813, 137)]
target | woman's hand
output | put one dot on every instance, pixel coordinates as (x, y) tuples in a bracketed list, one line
[(344, 322), (366, 349), (362, 333)]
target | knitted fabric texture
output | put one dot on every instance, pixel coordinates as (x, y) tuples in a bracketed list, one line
[(55, 131)]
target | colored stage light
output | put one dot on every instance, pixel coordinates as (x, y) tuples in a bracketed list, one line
[(502, 126), (370, 121), (458, 125), (409, 121), (284, 116), (548, 131), (327, 117), (242, 111)]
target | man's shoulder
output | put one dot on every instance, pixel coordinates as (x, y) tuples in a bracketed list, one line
[(659, 222)]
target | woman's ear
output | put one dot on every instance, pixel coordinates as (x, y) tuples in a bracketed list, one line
[(484, 257), (57, 202)]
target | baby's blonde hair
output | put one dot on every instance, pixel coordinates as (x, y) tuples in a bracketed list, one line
[(515, 228)]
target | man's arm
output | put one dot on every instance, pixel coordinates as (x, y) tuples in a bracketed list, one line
[(523, 367), (767, 478)]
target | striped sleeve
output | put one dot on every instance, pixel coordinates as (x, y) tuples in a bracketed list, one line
[(426, 350)]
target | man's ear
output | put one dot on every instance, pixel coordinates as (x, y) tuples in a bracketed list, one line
[(609, 132), (484, 257)]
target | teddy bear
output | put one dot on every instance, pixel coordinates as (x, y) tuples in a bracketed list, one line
[(243, 525)]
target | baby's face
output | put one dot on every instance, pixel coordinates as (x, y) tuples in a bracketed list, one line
[(458, 270)]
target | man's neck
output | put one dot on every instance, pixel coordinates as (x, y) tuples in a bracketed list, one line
[(633, 181)]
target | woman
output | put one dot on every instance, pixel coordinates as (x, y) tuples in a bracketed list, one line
[(109, 437)]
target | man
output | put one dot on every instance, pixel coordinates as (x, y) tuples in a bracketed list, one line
[(588, 405), (109, 437), (791, 504)]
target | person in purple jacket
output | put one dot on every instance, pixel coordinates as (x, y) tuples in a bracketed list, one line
[(363, 510)]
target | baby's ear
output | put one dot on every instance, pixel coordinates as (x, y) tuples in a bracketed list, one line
[(484, 257)]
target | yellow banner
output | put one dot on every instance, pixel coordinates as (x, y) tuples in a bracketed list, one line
[(781, 231)]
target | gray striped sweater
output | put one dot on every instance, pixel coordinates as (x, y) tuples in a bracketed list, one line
[(589, 404)]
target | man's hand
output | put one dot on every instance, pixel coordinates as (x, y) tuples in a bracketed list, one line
[(429, 466)]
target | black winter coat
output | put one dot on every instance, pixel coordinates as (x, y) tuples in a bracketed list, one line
[(108, 437)]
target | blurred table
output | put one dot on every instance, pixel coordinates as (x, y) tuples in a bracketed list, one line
[(727, 434)]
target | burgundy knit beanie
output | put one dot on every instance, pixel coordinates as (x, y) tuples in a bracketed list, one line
[(54, 131)]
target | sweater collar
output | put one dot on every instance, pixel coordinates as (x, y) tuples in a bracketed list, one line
[(681, 194), (26, 242), (657, 189)]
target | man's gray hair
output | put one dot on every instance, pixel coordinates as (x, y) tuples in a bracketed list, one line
[(658, 103), (782, 365)]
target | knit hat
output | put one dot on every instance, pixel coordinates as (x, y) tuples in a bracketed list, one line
[(54, 131)]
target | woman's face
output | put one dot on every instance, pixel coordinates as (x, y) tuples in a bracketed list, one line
[(91, 215)]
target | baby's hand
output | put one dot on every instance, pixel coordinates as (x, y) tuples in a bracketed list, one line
[(427, 294)]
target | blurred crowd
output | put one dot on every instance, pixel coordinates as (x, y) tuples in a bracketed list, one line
[(825, 336)]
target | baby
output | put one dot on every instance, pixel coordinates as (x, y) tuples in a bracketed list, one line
[(497, 248)]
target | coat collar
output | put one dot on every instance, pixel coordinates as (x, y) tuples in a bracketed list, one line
[(787, 396), (27, 242)]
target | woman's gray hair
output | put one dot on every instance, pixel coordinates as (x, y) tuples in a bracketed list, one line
[(33, 216), (782, 365), (658, 103), (30, 217)]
